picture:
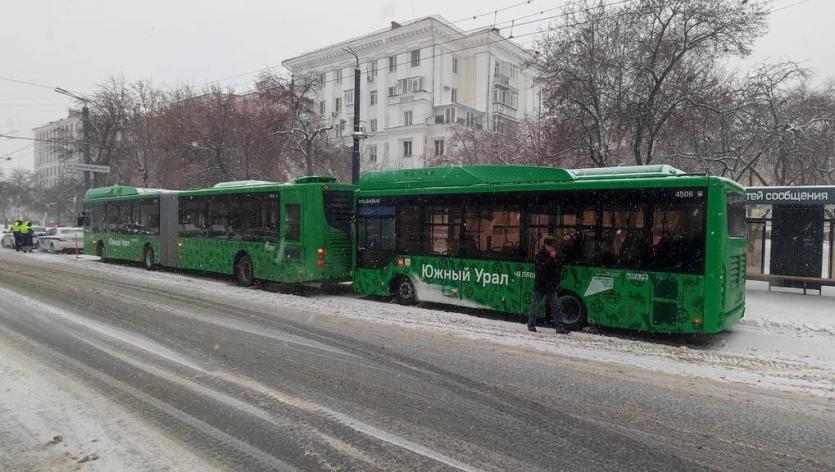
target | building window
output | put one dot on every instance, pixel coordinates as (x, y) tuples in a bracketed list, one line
[(407, 118), (372, 70), (407, 148), (338, 105), (338, 75), (322, 107), (392, 91), (322, 78), (349, 97), (454, 96), (393, 64), (454, 65), (416, 58), (340, 130), (372, 125), (411, 85), (372, 97), (372, 153), (439, 147)]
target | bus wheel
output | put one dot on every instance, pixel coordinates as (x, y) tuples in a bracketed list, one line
[(148, 258), (243, 271), (572, 311), (101, 252), (404, 291)]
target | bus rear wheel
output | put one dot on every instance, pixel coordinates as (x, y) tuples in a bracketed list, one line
[(148, 258), (572, 311), (404, 291), (243, 271)]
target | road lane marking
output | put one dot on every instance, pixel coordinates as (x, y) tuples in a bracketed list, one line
[(343, 419), (141, 342)]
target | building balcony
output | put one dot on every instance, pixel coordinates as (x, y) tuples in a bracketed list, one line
[(403, 99), (455, 113), (504, 109), (505, 81)]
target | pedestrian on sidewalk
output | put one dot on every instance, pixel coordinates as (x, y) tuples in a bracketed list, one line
[(547, 273)]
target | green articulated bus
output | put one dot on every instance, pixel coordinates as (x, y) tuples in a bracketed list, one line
[(650, 248), (291, 233)]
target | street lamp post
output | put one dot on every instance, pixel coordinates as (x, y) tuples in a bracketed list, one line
[(85, 131), (355, 155)]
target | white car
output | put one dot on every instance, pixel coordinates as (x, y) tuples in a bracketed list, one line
[(8, 240), (62, 239)]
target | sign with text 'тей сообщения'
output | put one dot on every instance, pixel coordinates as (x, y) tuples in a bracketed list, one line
[(818, 195)]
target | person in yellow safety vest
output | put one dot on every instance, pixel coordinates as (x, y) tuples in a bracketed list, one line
[(16, 233), (26, 235)]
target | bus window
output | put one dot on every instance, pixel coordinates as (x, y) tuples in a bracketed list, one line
[(149, 216), (442, 229), (259, 217), (678, 240), (625, 242), (491, 233), (540, 224), (338, 208), (409, 228), (99, 217), (736, 215), (584, 223), (193, 214), (292, 222), (375, 237), (218, 217)]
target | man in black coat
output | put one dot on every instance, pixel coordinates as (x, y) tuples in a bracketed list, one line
[(547, 269)]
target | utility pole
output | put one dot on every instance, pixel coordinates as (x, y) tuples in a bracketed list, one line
[(355, 156), (85, 131)]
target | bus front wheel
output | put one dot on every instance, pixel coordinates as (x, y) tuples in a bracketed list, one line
[(243, 271), (572, 311), (404, 291)]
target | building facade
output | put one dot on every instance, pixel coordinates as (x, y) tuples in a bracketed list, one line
[(56, 145), (419, 80)]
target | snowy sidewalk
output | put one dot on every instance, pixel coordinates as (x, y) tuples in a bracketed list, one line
[(786, 340)]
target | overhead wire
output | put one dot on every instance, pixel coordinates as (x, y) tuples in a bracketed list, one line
[(483, 30), (25, 138), (7, 156), (492, 12), (487, 43)]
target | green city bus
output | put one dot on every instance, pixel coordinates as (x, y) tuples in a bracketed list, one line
[(291, 233), (649, 248)]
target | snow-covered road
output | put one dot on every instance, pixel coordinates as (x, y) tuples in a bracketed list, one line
[(786, 340), (117, 360)]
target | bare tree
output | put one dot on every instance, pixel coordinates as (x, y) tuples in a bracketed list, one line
[(307, 131), (621, 73)]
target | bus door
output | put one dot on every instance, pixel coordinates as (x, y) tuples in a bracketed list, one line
[(291, 248)]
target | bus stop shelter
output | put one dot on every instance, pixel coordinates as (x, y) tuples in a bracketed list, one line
[(791, 233)]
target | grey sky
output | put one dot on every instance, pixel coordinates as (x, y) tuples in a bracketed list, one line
[(76, 44)]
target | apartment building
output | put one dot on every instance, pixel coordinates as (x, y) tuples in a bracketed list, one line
[(419, 79), (56, 146)]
